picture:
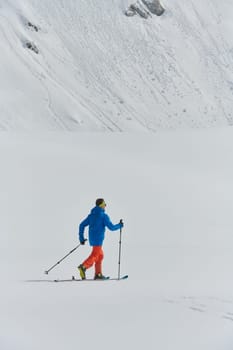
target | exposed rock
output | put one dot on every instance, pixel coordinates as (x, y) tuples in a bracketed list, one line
[(130, 11), (144, 8), (29, 24), (31, 46), (137, 8), (154, 6), (32, 26)]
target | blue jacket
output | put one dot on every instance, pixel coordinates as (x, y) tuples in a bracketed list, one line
[(97, 220)]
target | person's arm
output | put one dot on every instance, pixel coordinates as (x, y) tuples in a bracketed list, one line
[(110, 225), (82, 226)]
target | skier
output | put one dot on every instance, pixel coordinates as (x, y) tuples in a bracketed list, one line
[(97, 220)]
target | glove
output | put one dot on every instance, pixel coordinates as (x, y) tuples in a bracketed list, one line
[(83, 242), (121, 223)]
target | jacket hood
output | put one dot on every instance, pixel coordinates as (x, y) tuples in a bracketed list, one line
[(97, 210)]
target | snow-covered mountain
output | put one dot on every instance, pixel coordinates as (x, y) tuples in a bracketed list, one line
[(86, 66), (114, 65)]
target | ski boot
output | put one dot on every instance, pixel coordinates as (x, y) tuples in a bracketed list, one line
[(82, 271), (100, 276)]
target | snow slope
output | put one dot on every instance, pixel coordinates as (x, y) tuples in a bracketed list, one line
[(175, 194), (99, 70)]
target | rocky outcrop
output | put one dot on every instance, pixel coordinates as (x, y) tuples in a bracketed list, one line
[(145, 8), (154, 6), (32, 26), (136, 8), (31, 46)]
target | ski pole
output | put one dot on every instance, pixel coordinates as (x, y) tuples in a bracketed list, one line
[(119, 259), (47, 271)]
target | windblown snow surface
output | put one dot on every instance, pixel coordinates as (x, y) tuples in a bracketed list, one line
[(99, 70)]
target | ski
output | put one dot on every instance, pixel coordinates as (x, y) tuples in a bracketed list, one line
[(73, 279)]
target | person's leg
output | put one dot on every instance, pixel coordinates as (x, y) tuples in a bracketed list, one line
[(93, 257), (98, 263)]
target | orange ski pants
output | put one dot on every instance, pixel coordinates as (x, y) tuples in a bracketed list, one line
[(96, 257)]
